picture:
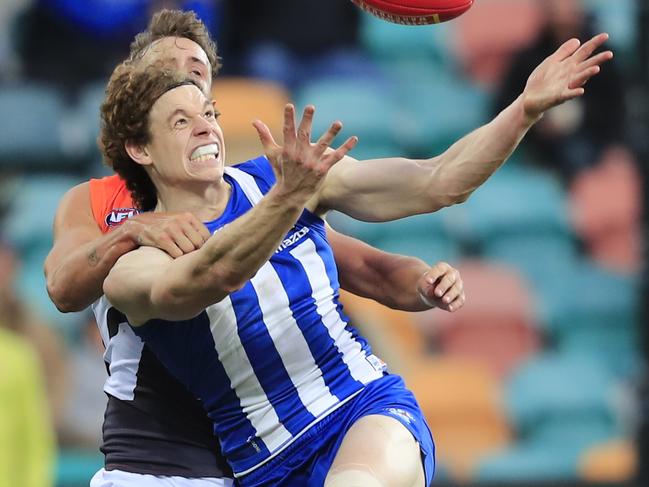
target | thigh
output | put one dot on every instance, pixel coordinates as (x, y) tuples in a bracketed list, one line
[(378, 449)]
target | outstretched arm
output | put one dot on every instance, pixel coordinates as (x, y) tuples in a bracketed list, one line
[(386, 189), (82, 256), (396, 281)]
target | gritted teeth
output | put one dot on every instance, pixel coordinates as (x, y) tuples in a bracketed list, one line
[(205, 152)]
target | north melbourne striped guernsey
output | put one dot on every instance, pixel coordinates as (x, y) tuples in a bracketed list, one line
[(272, 359)]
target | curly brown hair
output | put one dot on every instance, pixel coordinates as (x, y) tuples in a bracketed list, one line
[(130, 95), (175, 23)]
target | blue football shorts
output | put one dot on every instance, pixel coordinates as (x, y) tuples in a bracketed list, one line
[(307, 461)]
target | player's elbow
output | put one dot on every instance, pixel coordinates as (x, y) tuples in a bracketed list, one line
[(62, 298)]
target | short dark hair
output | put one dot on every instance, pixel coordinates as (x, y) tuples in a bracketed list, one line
[(176, 23), (130, 95)]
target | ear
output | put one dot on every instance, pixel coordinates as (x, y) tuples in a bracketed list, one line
[(138, 153)]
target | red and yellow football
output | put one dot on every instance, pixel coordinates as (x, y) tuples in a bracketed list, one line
[(415, 12)]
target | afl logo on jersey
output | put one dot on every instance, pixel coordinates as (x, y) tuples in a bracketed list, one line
[(119, 215)]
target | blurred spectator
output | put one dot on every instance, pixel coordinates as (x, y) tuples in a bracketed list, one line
[(573, 136), (26, 437), (84, 414), (16, 317), (289, 42), (72, 42)]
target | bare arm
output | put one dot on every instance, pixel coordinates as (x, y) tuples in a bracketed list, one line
[(396, 281), (82, 256), (387, 189)]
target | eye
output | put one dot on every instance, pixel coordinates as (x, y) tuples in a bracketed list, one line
[(181, 122), (197, 73), (212, 114)]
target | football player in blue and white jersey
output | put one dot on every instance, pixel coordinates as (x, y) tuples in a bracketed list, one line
[(250, 323)]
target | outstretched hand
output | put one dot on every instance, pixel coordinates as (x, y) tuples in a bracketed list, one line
[(562, 75), (301, 166)]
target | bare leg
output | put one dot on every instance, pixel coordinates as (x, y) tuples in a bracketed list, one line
[(377, 451)]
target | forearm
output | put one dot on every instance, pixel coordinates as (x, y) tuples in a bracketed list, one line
[(227, 260), (389, 279), (395, 282), (469, 162), (75, 278)]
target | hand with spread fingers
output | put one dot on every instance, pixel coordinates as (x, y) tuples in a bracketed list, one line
[(562, 75), (442, 287), (301, 166)]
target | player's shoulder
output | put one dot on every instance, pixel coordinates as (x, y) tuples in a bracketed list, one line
[(112, 183)]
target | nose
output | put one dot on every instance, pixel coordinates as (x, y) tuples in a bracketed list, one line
[(203, 127)]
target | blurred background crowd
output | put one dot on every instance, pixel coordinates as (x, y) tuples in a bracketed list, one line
[(541, 378)]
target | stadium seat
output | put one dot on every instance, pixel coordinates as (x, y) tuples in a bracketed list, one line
[(609, 227), (87, 115), (35, 135), (496, 325), (560, 405), (515, 202), (388, 43), (613, 461), (485, 38), (242, 100), (620, 20), (34, 200), (367, 109), (462, 403), (595, 314), (440, 108)]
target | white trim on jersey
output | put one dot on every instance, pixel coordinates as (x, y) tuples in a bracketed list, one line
[(350, 349), (247, 183), (122, 354), (254, 402)]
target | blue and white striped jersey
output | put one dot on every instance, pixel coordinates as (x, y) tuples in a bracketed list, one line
[(272, 359)]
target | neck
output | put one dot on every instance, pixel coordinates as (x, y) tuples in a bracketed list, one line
[(206, 201)]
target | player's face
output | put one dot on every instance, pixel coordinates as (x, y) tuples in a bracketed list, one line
[(187, 56), (187, 142)]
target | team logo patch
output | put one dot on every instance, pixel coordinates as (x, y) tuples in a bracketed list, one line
[(401, 413), (119, 215)]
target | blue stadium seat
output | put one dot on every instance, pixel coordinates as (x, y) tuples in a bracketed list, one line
[(34, 200), (517, 202), (367, 109), (37, 134), (560, 405), (391, 42), (439, 108), (34, 112)]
